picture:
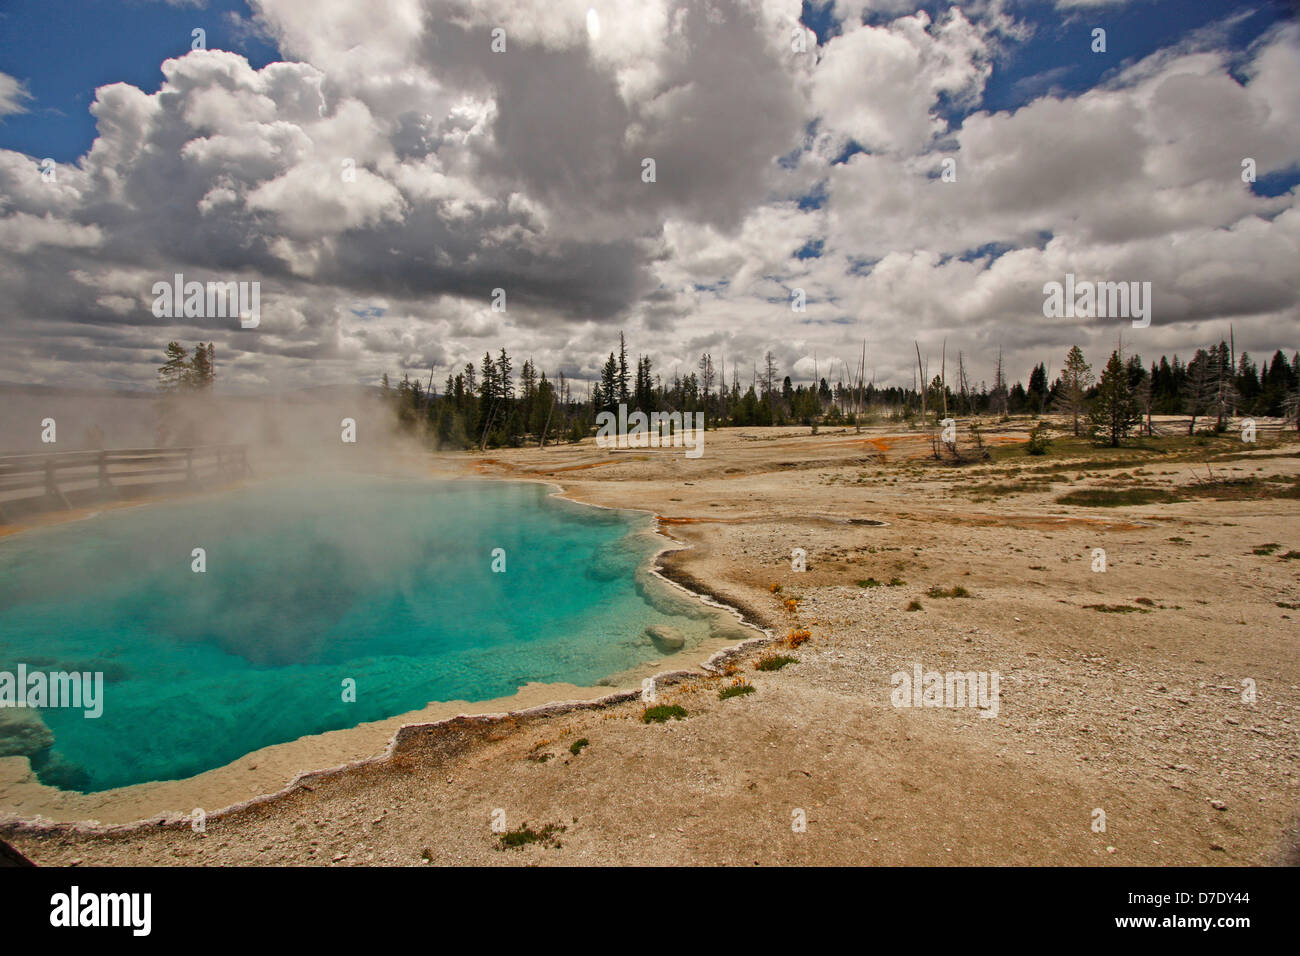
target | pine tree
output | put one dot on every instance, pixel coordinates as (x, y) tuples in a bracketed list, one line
[(623, 395), (489, 391), (1225, 397), (644, 393), (543, 411), (174, 373), (200, 372), (504, 389), (706, 381), (1037, 393), (1199, 387), (1075, 380), (1114, 411), (609, 385)]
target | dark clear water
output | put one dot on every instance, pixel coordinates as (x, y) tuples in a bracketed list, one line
[(387, 582)]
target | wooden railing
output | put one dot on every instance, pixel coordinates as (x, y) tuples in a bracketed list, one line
[(54, 475)]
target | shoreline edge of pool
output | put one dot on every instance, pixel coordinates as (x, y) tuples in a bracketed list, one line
[(276, 771)]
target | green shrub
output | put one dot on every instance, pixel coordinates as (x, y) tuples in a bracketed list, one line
[(774, 662), (662, 712), (520, 838), (957, 592)]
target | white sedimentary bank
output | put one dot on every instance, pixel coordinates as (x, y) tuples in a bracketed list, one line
[(1101, 300), (656, 430)]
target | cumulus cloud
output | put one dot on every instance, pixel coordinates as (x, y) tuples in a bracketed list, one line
[(879, 86), (13, 96), (394, 170)]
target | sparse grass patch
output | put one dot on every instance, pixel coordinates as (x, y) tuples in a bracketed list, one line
[(662, 712), (738, 689), (1115, 609), (774, 662), (1266, 549), (1241, 489), (1290, 556), (1117, 498), (797, 637), (520, 838), (913, 605), (956, 592), (869, 583), (575, 748)]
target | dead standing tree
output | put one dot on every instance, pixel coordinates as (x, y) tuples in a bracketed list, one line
[(920, 369)]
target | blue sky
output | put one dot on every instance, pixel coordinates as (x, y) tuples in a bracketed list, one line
[(1058, 58), (64, 49), (777, 171)]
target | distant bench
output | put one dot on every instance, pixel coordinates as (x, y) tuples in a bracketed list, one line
[(48, 478)]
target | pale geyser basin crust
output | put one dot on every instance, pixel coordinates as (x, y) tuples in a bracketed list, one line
[(1137, 713)]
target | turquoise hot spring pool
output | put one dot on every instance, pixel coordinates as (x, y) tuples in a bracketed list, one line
[(387, 582)]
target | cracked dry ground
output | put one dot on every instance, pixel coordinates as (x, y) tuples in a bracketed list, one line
[(1138, 712)]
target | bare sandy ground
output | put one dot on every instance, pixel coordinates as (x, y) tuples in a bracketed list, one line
[(1136, 713)]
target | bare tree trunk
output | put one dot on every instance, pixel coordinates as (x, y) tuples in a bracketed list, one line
[(961, 382), (924, 387), (943, 376), (547, 427)]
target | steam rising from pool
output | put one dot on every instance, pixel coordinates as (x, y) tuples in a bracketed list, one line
[(387, 582)]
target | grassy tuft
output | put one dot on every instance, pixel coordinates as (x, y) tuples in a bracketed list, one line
[(520, 838), (662, 712), (1109, 498), (957, 592), (735, 690), (774, 662), (1114, 608)]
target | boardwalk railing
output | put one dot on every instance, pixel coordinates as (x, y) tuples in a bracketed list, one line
[(55, 475)]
